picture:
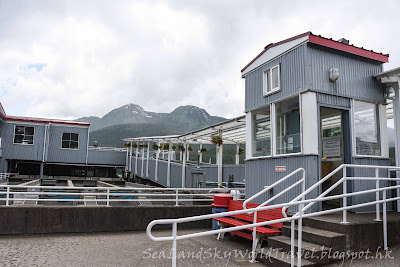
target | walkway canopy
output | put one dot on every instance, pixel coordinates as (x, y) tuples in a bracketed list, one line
[(231, 131)]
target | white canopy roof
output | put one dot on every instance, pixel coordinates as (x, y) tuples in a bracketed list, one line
[(232, 131)]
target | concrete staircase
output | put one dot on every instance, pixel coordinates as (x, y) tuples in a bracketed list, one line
[(319, 245)]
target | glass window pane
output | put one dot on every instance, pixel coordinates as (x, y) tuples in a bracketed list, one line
[(275, 78), (28, 139), (29, 131), (66, 136), (288, 138), (74, 145), (267, 82), (19, 129), (65, 144), (366, 129), (18, 138), (74, 137), (262, 133)]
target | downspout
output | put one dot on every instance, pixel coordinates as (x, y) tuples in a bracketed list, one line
[(87, 146)]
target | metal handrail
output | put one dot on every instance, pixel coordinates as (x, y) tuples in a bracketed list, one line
[(176, 195), (299, 216), (268, 188)]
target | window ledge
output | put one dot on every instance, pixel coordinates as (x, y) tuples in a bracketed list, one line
[(272, 92)]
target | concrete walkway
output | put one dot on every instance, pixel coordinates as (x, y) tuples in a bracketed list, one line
[(135, 249)]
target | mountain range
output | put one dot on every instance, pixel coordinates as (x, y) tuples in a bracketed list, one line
[(133, 121)]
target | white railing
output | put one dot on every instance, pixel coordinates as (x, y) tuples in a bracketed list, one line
[(4, 176), (116, 149), (267, 189), (301, 210), (107, 195)]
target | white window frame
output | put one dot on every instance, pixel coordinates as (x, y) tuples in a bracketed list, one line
[(353, 131), (269, 73), (253, 132), (74, 149), (34, 131)]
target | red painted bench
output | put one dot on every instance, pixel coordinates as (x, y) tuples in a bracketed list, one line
[(243, 219)]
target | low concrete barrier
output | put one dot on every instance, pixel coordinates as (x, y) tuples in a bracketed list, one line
[(44, 220)]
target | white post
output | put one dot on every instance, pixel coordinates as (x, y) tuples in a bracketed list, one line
[(396, 118), (174, 234), (157, 156), (187, 152), (201, 154), (142, 170), (184, 165), (169, 165), (378, 213), (127, 165), (237, 154), (130, 158), (220, 149), (148, 156), (384, 222), (108, 197), (136, 160), (344, 193), (180, 155)]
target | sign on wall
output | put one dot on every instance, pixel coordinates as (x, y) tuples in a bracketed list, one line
[(331, 147), (280, 168)]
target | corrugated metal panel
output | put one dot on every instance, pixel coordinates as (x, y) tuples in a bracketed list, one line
[(162, 173), (261, 173), (355, 78), (365, 185), (292, 69), (333, 100), (19, 151), (107, 157), (56, 154)]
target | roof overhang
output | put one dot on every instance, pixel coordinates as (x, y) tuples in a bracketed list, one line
[(274, 50)]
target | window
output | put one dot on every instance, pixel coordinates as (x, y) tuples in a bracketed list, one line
[(272, 81), (366, 129), (262, 133), (70, 140), (24, 135), (288, 138)]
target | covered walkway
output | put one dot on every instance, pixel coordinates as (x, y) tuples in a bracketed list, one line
[(155, 157)]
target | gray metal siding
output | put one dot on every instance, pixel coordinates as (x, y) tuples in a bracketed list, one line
[(18, 151), (107, 157), (261, 172), (355, 74), (366, 185), (56, 154), (292, 70), (333, 100)]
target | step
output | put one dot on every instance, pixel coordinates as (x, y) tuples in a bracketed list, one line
[(311, 251), (276, 258), (331, 239), (319, 222)]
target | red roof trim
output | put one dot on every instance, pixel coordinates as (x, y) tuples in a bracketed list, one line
[(348, 48), (275, 44), (39, 120), (331, 44)]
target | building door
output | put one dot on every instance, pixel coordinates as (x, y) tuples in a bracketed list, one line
[(335, 148)]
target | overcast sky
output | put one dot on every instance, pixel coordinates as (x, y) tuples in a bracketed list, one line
[(68, 59)]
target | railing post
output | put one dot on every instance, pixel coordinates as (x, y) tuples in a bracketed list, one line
[(177, 197), (385, 246), (292, 233), (253, 256), (344, 194), (299, 234), (108, 197), (174, 232), (8, 195), (378, 215)]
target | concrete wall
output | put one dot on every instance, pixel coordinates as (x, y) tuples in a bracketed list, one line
[(43, 220)]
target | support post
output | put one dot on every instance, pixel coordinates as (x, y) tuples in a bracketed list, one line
[(130, 159), (187, 152), (201, 154), (142, 170), (136, 154), (148, 156), (237, 154), (184, 165), (169, 165), (156, 168), (396, 118), (41, 169), (344, 193), (378, 213)]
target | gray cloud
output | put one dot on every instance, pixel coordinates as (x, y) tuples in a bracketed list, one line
[(99, 55)]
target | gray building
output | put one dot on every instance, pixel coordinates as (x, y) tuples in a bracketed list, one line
[(313, 102), (46, 147)]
